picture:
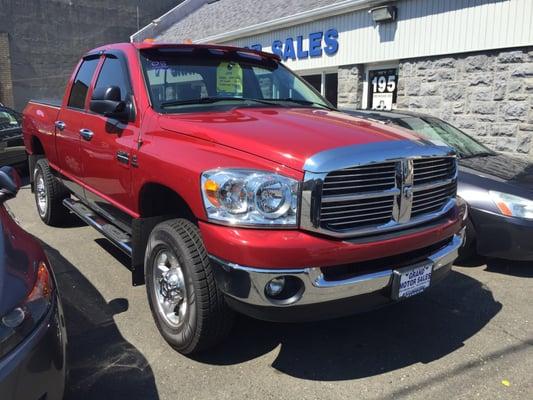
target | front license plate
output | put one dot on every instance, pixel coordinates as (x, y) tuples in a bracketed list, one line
[(412, 281)]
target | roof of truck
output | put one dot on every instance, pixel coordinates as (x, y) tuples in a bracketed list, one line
[(146, 45)]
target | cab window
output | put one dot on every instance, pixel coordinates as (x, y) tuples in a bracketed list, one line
[(114, 74), (81, 84)]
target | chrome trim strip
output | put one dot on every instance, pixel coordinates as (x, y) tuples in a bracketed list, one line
[(367, 195), (433, 185), (316, 288), (374, 153)]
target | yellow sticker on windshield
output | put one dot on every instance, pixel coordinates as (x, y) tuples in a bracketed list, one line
[(229, 79)]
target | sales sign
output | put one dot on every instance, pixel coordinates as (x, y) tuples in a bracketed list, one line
[(301, 47), (383, 88)]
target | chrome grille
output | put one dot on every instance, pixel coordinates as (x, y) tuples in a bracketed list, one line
[(386, 195), (367, 178), (432, 200), (433, 169), (352, 214)]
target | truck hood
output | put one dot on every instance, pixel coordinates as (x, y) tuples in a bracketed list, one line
[(288, 136)]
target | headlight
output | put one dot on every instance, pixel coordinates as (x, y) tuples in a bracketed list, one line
[(19, 322), (250, 198), (512, 206)]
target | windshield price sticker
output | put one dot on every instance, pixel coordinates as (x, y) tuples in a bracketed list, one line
[(415, 281), (383, 85), (229, 79)]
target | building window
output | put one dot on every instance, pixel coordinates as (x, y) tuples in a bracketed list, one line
[(381, 87), (326, 83)]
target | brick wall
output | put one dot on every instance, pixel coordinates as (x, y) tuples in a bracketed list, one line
[(6, 84), (47, 37)]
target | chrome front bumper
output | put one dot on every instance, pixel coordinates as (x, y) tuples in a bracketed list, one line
[(247, 285)]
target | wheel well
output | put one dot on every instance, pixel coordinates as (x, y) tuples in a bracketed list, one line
[(36, 146), (156, 200)]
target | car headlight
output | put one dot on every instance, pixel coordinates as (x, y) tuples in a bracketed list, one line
[(250, 197), (19, 322), (512, 206)]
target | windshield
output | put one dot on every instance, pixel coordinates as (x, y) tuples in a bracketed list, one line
[(437, 130), (8, 119), (190, 80)]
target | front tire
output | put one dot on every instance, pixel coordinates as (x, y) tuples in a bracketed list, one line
[(188, 308), (49, 195)]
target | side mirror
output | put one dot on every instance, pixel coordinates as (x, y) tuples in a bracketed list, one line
[(107, 101), (9, 183)]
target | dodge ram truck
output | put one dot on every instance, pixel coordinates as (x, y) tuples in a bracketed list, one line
[(234, 186)]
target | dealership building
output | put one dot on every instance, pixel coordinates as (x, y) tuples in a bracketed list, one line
[(469, 62)]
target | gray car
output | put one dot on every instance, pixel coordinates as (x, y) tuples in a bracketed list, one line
[(32, 328), (498, 188)]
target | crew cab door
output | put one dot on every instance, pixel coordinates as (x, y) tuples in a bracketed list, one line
[(69, 123), (106, 148)]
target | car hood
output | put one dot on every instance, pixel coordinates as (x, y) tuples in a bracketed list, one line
[(511, 170), (288, 136), (19, 255)]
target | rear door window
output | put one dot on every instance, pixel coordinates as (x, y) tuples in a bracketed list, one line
[(81, 84)]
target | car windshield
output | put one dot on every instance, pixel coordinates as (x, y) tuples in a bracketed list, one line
[(189, 80), (8, 119), (437, 130)]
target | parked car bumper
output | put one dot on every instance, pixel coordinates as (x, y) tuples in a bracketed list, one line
[(499, 236), (13, 152), (36, 368), (315, 295)]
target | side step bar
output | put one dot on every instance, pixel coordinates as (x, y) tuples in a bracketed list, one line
[(115, 235)]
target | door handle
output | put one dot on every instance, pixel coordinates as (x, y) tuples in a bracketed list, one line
[(86, 134), (123, 157), (60, 125)]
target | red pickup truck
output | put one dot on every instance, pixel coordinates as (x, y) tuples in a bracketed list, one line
[(233, 185)]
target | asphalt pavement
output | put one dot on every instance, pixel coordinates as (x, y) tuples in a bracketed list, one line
[(470, 337)]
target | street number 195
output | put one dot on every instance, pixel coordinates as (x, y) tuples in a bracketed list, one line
[(382, 83)]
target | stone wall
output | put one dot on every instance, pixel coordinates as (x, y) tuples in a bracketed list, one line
[(6, 84), (350, 86), (488, 95)]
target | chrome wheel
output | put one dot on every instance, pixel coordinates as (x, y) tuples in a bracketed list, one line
[(42, 198), (169, 287)]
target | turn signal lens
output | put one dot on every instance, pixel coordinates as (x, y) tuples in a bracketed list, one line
[(43, 284), (504, 209), (211, 189), (511, 205)]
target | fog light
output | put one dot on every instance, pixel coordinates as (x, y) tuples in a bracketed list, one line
[(275, 286), (14, 318)]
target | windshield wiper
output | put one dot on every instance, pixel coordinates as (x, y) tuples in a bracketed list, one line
[(303, 102), (208, 100)]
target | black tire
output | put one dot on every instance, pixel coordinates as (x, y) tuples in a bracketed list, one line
[(207, 319), (52, 211), (468, 250)]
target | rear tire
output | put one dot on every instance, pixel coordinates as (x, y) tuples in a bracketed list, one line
[(49, 195), (188, 308)]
